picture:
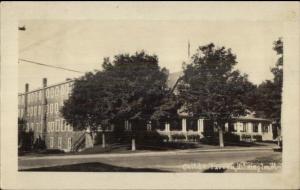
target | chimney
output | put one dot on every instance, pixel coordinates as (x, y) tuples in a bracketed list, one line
[(44, 82), (26, 87)]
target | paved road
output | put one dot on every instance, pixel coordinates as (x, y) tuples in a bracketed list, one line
[(176, 161)]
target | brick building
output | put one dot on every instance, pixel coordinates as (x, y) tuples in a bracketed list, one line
[(40, 109)]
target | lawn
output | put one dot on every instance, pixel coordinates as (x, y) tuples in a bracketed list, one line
[(146, 147)]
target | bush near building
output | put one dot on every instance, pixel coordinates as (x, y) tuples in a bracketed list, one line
[(246, 137), (165, 137), (144, 137), (230, 137), (193, 137), (257, 138), (178, 137)]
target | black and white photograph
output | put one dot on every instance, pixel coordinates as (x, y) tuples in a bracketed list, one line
[(155, 95)]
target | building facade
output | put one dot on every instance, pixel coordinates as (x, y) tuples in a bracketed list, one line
[(39, 109)]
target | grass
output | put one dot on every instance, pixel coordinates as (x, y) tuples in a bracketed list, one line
[(142, 147)]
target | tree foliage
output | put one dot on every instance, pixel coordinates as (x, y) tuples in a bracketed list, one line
[(130, 87), (212, 88), (269, 92)]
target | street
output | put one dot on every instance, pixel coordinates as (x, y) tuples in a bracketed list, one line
[(173, 161)]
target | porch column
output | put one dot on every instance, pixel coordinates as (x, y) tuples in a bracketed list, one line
[(250, 128), (259, 128), (183, 124), (226, 127), (270, 128), (200, 126), (167, 127), (235, 127)]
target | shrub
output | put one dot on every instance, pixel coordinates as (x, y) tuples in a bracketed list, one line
[(150, 137), (193, 137), (231, 137), (164, 137), (178, 137), (246, 137), (257, 138)]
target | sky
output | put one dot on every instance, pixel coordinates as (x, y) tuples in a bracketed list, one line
[(82, 44)]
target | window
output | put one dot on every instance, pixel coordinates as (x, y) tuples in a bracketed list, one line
[(40, 95), (32, 126), (244, 127), (35, 96), (59, 142), (69, 143), (57, 125), (40, 110), (52, 126), (51, 108), (67, 88), (70, 128), (56, 108), (62, 125), (31, 97), (37, 125), (57, 91), (35, 111), (48, 109), (41, 127), (255, 127), (62, 89), (52, 92), (48, 127), (265, 128), (21, 113), (47, 93), (51, 142)]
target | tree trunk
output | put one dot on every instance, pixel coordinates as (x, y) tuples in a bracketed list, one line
[(221, 139), (133, 144), (103, 140)]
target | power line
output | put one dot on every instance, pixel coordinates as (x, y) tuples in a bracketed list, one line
[(52, 66)]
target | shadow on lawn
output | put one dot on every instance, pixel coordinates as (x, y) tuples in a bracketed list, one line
[(215, 170), (93, 167), (238, 144)]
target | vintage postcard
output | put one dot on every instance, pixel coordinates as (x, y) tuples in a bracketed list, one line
[(150, 95)]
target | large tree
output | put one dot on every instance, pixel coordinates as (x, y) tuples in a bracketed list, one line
[(269, 92), (130, 87), (213, 89)]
